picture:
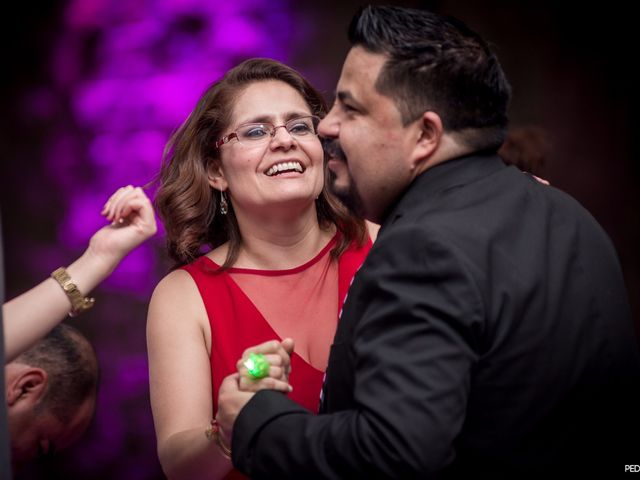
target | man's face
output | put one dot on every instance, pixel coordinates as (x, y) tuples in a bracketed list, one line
[(36, 432), (41, 434), (367, 145)]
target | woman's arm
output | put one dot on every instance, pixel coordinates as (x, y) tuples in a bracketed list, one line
[(178, 342), (30, 316)]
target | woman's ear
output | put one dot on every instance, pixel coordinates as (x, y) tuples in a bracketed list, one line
[(28, 384), (215, 177), (430, 133)]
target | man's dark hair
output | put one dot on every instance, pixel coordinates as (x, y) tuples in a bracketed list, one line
[(71, 366), (436, 63)]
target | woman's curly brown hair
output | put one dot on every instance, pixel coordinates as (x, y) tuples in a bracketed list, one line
[(188, 205)]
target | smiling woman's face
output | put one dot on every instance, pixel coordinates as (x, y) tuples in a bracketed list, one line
[(280, 171)]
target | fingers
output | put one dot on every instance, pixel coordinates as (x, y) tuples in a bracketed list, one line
[(280, 372), (229, 384), (541, 180), (278, 355), (288, 345), (247, 384), (538, 179), (272, 347), (110, 209), (230, 401), (128, 205), (275, 353), (274, 359)]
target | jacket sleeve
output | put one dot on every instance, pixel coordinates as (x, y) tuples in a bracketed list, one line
[(411, 325)]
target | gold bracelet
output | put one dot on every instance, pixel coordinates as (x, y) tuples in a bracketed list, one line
[(214, 430), (79, 303)]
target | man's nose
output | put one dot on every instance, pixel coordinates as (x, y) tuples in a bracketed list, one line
[(329, 126)]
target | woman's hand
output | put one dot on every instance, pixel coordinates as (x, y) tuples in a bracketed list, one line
[(278, 354), (132, 222)]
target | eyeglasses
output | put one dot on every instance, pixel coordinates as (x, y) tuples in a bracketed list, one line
[(256, 134)]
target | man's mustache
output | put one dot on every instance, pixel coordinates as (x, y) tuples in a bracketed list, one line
[(332, 148)]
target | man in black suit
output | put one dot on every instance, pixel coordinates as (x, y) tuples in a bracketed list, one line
[(488, 333)]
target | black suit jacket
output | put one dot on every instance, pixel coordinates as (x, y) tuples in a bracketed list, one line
[(487, 332)]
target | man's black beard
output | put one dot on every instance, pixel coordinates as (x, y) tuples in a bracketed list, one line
[(333, 149), (350, 197)]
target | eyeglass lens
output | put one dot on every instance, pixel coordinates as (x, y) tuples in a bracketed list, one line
[(297, 127)]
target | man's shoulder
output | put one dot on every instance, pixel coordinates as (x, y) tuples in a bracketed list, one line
[(413, 243), (489, 212)]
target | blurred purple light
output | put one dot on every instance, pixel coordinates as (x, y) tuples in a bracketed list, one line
[(132, 72), (124, 76)]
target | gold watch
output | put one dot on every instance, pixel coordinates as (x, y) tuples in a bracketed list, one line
[(79, 303)]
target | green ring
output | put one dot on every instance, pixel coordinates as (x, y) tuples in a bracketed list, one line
[(257, 366)]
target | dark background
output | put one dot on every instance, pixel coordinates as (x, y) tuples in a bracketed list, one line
[(573, 98)]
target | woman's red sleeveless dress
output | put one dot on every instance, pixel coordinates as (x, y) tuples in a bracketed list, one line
[(239, 302)]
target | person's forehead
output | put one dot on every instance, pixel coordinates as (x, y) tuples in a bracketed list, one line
[(358, 84), (267, 100), (360, 70)]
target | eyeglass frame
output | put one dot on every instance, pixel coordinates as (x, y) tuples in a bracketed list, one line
[(230, 136)]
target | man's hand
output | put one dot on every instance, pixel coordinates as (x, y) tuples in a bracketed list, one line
[(230, 401), (541, 180), (237, 389)]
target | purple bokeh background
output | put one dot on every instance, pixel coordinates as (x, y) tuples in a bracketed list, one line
[(119, 77), (94, 89), (131, 73)]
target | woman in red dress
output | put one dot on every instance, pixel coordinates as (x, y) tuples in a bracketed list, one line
[(244, 178)]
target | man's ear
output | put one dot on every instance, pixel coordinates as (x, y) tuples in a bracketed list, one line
[(216, 178), (29, 383), (430, 133)]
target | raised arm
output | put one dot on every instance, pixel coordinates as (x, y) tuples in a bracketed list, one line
[(30, 316)]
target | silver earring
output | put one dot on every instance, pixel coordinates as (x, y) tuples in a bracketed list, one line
[(224, 206)]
